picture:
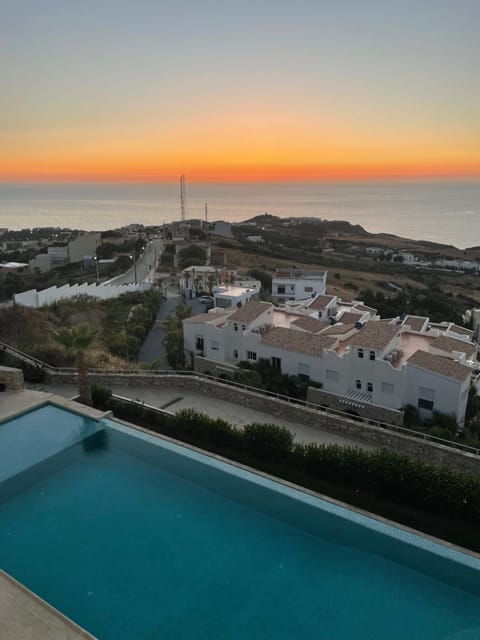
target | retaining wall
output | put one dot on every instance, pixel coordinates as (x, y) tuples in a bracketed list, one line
[(359, 432), (12, 378)]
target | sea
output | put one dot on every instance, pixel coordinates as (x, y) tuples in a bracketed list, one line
[(442, 211)]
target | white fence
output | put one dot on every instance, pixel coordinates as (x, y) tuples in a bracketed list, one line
[(34, 298)]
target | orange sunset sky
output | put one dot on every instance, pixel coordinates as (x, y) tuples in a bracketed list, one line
[(237, 91)]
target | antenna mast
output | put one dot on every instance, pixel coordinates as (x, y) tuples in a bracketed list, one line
[(206, 212), (182, 196)]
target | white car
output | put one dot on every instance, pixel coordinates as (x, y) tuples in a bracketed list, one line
[(206, 300)]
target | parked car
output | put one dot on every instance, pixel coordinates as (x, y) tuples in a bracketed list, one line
[(206, 300)]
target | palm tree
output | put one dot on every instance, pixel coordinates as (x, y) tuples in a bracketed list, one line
[(77, 340)]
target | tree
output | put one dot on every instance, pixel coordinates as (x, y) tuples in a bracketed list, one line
[(174, 337), (77, 340), (191, 256)]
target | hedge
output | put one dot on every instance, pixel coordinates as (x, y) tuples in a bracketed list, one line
[(385, 475)]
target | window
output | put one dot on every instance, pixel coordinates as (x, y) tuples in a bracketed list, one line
[(331, 375), (277, 363), (214, 345), (199, 343), (360, 353), (235, 354), (426, 398), (372, 355), (425, 404), (235, 326), (369, 387), (387, 387), (358, 384), (243, 327), (308, 289), (281, 289), (251, 355)]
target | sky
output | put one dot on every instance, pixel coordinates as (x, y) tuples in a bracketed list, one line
[(248, 90)]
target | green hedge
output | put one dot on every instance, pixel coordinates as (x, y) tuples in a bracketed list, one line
[(388, 476)]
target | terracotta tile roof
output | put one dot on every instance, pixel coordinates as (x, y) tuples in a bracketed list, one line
[(206, 317), (415, 323), (462, 331), (441, 365), (250, 311), (445, 343), (338, 329), (363, 307), (374, 335), (293, 340), (320, 302), (310, 324), (349, 317)]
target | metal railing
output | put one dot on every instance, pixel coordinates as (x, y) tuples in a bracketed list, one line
[(170, 373)]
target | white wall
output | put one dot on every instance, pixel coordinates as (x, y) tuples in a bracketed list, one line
[(34, 298), (449, 396)]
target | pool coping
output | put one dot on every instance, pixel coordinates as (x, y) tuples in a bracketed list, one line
[(427, 538), (62, 403), (51, 611)]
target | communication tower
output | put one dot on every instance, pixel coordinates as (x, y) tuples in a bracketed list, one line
[(182, 196)]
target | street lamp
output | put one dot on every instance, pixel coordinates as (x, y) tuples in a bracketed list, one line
[(134, 268), (96, 266)]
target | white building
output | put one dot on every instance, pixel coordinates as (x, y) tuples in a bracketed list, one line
[(235, 296), (297, 284), (360, 359)]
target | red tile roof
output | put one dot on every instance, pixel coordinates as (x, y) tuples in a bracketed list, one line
[(416, 323), (310, 324), (374, 335), (441, 365), (320, 302), (293, 340), (250, 312), (448, 344)]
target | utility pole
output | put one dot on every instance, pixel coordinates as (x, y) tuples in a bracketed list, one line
[(206, 212), (182, 196)]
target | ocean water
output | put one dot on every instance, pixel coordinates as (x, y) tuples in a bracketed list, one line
[(135, 541), (439, 211)]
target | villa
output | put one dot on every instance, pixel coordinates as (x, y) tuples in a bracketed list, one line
[(361, 361)]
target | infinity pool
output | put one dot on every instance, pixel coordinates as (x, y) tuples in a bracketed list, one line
[(136, 538)]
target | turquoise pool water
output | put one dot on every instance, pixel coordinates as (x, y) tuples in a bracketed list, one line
[(140, 542)]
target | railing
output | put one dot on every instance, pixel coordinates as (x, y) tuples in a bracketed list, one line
[(169, 373)]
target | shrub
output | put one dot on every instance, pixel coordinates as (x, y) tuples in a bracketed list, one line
[(268, 440), (101, 397)]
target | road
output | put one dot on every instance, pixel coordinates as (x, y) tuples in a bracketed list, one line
[(153, 347), (144, 268)]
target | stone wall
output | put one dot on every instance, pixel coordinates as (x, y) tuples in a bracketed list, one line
[(370, 411), (213, 368), (11, 378), (359, 432)]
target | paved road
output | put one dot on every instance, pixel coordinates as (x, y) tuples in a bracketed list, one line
[(153, 347), (144, 268)]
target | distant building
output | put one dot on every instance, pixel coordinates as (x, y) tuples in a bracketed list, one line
[(296, 284), (13, 267), (223, 229), (255, 239), (42, 262), (82, 246), (235, 296)]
